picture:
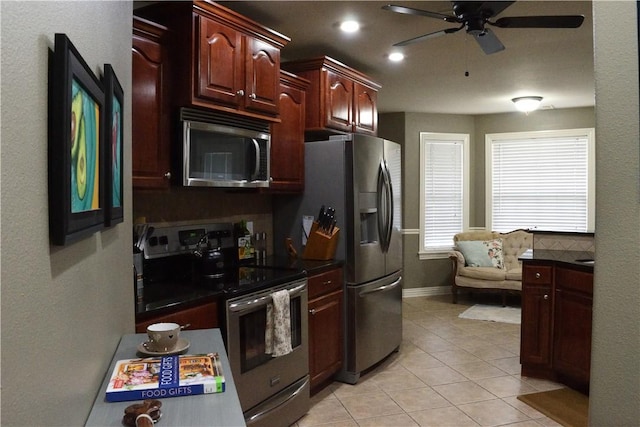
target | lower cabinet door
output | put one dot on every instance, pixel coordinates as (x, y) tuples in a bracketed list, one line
[(535, 351), (572, 336), (325, 337)]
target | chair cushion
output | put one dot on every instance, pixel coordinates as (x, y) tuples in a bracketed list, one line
[(482, 273), (482, 253)]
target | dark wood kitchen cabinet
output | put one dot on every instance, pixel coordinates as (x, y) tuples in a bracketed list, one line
[(202, 316), (557, 302), (340, 98), (537, 298), (572, 322), (287, 137), (325, 326), (228, 62), (150, 116)]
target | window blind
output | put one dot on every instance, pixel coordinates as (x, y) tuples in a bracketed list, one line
[(443, 192), (540, 183)]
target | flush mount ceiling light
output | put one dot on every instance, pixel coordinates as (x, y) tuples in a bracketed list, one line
[(396, 56), (350, 26), (527, 103)]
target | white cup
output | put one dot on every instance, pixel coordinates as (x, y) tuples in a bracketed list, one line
[(162, 336)]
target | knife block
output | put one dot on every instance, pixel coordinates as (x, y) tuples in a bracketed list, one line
[(320, 245)]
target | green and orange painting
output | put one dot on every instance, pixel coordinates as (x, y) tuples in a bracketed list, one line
[(85, 153)]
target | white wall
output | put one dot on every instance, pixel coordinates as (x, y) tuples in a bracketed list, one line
[(615, 363), (63, 309)]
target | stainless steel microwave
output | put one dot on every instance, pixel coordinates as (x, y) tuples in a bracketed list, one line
[(220, 151)]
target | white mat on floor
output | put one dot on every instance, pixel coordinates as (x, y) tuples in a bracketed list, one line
[(492, 313)]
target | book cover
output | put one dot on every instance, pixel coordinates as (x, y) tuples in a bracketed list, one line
[(165, 376)]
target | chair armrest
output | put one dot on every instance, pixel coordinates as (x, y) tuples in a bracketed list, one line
[(457, 262), (457, 258)]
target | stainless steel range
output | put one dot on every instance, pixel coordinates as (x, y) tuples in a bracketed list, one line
[(273, 391)]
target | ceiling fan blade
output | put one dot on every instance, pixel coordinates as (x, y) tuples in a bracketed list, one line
[(428, 36), (567, 21), (488, 42), (419, 12)]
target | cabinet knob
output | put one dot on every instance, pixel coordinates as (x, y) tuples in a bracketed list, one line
[(253, 96), (167, 175), (545, 297), (312, 311), (328, 282), (537, 275), (240, 92)]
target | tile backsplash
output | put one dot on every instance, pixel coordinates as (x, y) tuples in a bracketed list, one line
[(180, 204), (564, 242)]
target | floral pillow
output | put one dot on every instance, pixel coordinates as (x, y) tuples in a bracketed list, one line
[(482, 253)]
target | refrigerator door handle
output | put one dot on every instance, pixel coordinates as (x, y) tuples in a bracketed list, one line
[(389, 213), (382, 214), (381, 288)]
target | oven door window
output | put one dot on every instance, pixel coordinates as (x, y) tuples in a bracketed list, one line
[(252, 334)]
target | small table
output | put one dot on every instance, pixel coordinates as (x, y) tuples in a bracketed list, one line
[(216, 409)]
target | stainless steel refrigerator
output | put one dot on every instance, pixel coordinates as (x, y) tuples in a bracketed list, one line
[(360, 177)]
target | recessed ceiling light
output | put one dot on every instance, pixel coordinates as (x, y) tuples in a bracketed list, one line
[(396, 56), (350, 26)]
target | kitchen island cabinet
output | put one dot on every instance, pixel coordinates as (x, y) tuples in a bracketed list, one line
[(325, 326), (340, 99), (150, 116), (287, 137), (557, 300), (228, 62)]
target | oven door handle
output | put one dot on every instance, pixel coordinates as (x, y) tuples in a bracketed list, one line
[(381, 288), (249, 303)]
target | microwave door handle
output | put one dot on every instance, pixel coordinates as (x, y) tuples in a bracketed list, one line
[(256, 169)]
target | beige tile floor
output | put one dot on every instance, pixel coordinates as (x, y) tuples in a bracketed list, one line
[(448, 372)]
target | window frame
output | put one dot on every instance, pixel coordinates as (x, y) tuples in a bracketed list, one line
[(442, 252), (588, 133)]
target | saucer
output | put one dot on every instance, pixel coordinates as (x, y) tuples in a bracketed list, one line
[(181, 346)]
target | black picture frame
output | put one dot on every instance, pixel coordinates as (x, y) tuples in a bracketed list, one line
[(114, 139), (76, 174)]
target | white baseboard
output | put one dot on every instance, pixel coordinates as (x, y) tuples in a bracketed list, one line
[(426, 292)]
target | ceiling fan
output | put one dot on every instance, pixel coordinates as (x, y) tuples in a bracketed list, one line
[(475, 15)]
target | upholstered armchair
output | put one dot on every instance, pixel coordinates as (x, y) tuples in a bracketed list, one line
[(488, 261)]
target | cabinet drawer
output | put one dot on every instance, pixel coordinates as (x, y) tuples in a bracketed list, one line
[(325, 282), (579, 281), (201, 317), (537, 274)]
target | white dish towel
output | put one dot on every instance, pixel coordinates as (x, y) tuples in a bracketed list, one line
[(277, 336)]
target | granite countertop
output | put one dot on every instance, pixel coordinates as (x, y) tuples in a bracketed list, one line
[(168, 297), (581, 258)]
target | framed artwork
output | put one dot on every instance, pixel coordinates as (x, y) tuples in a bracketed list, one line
[(114, 101), (76, 175)]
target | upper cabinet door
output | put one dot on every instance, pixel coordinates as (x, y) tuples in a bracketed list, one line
[(150, 107), (220, 63), (262, 76), (365, 110), (287, 137), (339, 101)]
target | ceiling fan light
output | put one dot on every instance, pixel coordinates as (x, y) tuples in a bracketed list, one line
[(527, 103)]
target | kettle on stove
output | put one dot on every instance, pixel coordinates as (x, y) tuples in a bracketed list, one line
[(209, 258)]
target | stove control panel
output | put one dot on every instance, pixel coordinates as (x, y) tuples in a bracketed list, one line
[(168, 240)]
